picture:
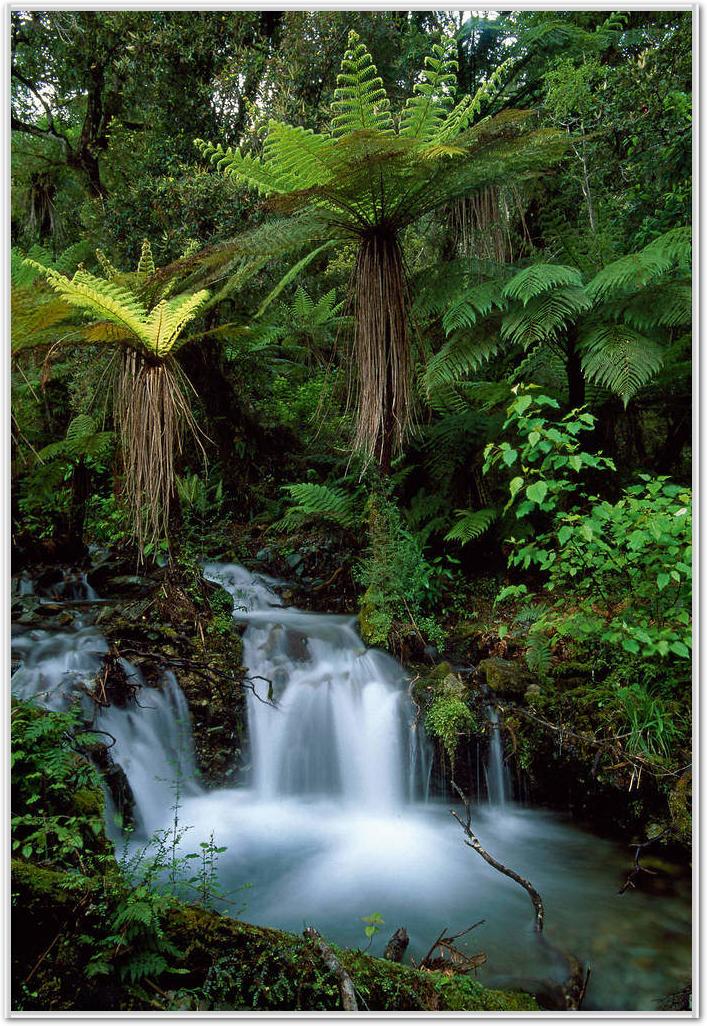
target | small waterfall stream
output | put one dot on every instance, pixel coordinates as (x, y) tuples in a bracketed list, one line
[(332, 823), (341, 722)]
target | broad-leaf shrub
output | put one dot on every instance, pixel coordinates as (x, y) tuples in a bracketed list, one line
[(621, 570)]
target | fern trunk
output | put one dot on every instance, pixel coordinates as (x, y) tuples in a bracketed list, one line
[(382, 355), (576, 384)]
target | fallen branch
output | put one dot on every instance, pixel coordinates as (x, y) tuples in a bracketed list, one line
[(637, 867), (346, 987), (325, 584), (475, 843)]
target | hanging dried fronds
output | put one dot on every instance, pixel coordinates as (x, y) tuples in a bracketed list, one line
[(152, 415), (382, 357)]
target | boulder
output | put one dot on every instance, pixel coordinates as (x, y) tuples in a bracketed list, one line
[(505, 678)]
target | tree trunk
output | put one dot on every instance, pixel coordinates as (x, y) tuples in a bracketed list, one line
[(576, 385)]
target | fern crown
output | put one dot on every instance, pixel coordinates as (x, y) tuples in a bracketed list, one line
[(368, 170), (119, 305)]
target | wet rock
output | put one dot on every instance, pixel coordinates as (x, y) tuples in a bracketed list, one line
[(504, 677)]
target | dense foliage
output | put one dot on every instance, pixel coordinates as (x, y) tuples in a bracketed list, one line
[(415, 329)]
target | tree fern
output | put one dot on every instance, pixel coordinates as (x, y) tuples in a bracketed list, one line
[(150, 394), (471, 524), (365, 182)]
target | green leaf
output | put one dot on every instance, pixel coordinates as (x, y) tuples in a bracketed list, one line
[(509, 457), (680, 649), (515, 486), (536, 492)]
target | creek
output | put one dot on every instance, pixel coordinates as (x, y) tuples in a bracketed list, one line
[(335, 820)]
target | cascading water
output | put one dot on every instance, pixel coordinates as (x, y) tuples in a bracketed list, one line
[(496, 771), (330, 825), (342, 723), (150, 735)]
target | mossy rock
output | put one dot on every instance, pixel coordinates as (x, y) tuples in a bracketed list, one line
[(505, 678), (89, 801)]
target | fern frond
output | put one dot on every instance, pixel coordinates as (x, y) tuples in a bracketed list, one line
[(620, 359), (299, 154), (667, 305), (469, 107), (639, 269), (544, 316), (426, 110), (317, 502), (146, 263), (265, 178), (473, 303), (538, 278), (461, 353), (360, 101), (95, 296), (471, 524), (168, 319)]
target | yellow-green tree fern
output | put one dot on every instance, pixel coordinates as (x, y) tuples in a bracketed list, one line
[(151, 404)]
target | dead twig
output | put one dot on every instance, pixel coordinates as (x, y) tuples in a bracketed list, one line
[(346, 987), (637, 867), (474, 842)]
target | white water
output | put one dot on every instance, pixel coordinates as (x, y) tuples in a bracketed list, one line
[(341, 722), (330, 824), (497, 775)]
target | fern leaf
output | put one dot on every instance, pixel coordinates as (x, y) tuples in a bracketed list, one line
[(146, 263), (461, 353), (96, 296), (639, 269), (360, 100), (471, 525), (538, 278), (620, 359), (544, 316), (469, 107), (426, 110), (299, 154), (265, 178), (317, 502), (473, 303)]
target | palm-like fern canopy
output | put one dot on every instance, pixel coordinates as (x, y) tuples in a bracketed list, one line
[(119, 305), (372, 169)]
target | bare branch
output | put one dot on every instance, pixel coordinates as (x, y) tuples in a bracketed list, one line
[(474, 843), (346, 987)]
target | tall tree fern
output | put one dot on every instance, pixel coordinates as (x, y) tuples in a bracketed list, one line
[(151, 407), (370, 177)]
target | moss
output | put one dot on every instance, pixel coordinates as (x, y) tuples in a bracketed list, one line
[(231, 965), (505, 677), (680, 805), (89, 801), (464, 993)]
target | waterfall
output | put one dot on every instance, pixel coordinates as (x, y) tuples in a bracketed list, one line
[(327, 716), (497, 775), (152, 731)]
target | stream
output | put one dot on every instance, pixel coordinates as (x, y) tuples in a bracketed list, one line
[(335, 821)]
